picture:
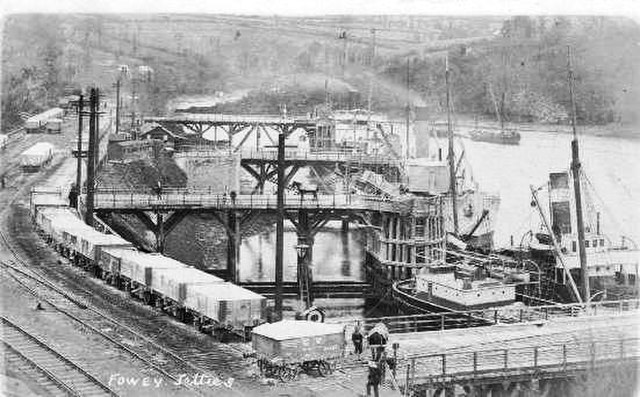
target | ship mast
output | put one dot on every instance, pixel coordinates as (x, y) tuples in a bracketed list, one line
[(451, 156), (575, 171)]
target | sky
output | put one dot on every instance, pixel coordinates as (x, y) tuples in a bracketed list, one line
[(314, 7)]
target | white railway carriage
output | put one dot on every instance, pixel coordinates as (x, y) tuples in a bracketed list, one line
[(37, 156), (226, 305)]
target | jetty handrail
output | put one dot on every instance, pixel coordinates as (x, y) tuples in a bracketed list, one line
[(292, 154), (501, 360), (147, 197), (451, 319), (227, 118)]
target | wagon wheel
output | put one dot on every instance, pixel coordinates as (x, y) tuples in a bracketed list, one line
[(324, 368), (269, 369), (306, 366), (288, 373), (279, 371)]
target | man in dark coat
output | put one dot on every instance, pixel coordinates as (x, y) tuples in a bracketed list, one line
[(373, 379), (357, 339)]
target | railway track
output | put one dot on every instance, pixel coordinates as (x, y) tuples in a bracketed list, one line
[(164, 361), (56, 373), (143, 337)]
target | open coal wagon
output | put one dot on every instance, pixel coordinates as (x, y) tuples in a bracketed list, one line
[(286, 348)]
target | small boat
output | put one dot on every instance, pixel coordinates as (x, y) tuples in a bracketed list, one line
[(504, 136)]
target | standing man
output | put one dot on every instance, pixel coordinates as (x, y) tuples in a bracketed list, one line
[(357, 339), (373, 379)]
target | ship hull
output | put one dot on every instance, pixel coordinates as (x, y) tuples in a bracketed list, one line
[(406, 298), (409, 302)]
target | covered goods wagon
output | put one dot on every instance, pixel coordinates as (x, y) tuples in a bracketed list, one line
[(227, 304), (287, 347), (89, 244), (176, 283), (54, 126), (37, 155), (55, 222), (38, 122), (135, 266)]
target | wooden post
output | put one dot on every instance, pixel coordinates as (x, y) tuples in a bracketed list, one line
[(79, 163), (535, 356), (160, 237), (406, 380), (506, 358), (280, 228), (444, 364), (91, 154), (232, 226)]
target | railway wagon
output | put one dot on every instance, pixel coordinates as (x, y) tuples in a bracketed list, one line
[(180, 290), (171, 287), (37, 123), (226, 306), (73, 238), (88, 246), (287, 347), (36, 156), (131, 270), (54, 222), (175, 283), (54, 126)]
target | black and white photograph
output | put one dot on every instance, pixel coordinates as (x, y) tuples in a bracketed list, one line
[(402, 198)]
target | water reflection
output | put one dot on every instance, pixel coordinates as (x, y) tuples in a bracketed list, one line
[(337, 256)]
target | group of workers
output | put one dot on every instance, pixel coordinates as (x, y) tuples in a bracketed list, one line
[(377, 342)]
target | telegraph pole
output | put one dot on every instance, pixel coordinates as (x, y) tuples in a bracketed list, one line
[(280, 228), (79, 162), (93, 117)]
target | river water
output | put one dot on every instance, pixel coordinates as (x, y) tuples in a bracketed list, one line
[(609, 163)]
